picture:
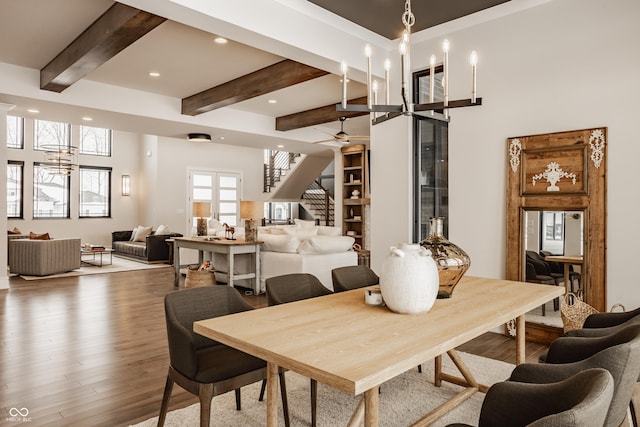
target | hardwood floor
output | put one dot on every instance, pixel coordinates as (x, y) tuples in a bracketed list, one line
[(92, 350)]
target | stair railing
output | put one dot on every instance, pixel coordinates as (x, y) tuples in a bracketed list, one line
[(320, 199), (276, 165)]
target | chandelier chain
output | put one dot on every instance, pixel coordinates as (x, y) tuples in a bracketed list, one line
[(408, 19)]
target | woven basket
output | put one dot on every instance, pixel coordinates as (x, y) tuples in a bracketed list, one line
[(196, 278), (574, 311)]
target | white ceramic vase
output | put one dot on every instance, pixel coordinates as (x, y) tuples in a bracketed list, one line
[(409, 279)]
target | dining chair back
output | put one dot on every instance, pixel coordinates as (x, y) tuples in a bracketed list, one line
[(295, 287), (353, 277), (201, 366), (618, 353)]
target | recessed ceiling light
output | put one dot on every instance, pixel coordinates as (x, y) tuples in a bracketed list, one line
[(280, 146), (33, 110), (273, 101), (87, 119), (220, 40), (154, 74), (221, 138)]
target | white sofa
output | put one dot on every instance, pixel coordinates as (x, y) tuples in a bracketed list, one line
[(300, 248)]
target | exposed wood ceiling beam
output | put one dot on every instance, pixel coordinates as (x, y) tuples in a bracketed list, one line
[(274, 77), (117, 28), (317, 116)]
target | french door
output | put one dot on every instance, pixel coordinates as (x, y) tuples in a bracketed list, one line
[(221, 189)]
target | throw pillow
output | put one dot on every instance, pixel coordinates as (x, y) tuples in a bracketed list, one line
[(43, 236), (301, 223), (15, 231), (215, 224), (141, 234), (133, 233), (279, 243), (325, 230), (162, 230), (326, 245)]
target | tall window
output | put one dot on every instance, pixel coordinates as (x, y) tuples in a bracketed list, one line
[(50, 194), (15, 132), (95, 192), (95, 141), (15, 171), (51, 133)]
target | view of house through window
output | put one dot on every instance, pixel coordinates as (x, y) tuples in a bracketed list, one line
[(95, 192), (50, 194), (15, 171)]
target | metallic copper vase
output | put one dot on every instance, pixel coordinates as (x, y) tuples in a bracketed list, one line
[(451, 260)]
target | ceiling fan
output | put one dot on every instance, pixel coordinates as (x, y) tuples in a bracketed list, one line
[(342, 137)]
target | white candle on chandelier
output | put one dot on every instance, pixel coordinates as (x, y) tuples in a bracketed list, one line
[(344, 69), (387, 67), (374, 89), (445, 72), (432, 77), (367, 53), (474, 62), (403, 51)]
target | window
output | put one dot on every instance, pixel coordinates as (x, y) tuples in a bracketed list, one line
[(50, 194), (15, 171), (51, 133), (95, 141), (222, 189), (95, 192), (15, 132)]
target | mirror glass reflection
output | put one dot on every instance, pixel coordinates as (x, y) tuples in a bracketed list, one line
[(554, 249)]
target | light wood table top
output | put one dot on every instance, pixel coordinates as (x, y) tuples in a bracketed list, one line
[(565, 259), (340, 341)]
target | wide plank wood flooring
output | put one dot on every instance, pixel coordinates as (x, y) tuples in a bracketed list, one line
[(92, 350)]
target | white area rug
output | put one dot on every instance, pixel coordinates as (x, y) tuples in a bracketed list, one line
[(119, 264), (403, 400), (551, 317)]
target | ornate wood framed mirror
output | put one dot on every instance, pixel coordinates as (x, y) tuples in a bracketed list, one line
[(553, 181)]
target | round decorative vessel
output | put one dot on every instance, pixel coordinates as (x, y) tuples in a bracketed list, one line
[(451, 260), (409, 279)]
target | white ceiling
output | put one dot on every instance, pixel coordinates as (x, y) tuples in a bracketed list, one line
[(33, 32)]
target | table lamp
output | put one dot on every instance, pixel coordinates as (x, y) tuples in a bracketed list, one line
[(250, 210), (202, 210)]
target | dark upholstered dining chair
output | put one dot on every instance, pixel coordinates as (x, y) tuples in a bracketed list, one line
[(202, 366), (353, 277), (295, 287), (581, 400), (618, 353)]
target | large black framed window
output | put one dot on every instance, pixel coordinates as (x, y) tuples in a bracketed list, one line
[(50, 193), (15, 189), (95, 192)]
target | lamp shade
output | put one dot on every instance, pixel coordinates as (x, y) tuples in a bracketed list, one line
[(251, 209), (201, 209)]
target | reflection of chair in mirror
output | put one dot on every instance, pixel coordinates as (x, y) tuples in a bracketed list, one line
[(533, 277), (545, 267), (557, 267)]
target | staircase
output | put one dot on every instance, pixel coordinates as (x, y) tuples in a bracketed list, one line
[(318, 202), (276, 167)]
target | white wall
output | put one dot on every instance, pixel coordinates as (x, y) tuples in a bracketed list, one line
[(564, 65)]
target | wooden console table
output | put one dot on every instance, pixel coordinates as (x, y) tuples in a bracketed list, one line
[(221, 246)]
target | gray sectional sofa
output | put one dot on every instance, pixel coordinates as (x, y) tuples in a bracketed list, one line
[(43, 257)]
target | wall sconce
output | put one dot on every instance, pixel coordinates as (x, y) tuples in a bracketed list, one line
[(126, 185)]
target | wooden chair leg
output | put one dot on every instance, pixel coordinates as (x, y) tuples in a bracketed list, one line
[(263, 387), (285, 402), (205, 394), (314, 401), (238, 400), (165, 401)]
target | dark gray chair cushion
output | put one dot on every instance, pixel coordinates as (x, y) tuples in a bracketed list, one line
[(293, 287), (618, 353), (353, 277)]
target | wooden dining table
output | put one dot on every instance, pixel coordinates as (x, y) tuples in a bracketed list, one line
[(568, 261), (344, 343)]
